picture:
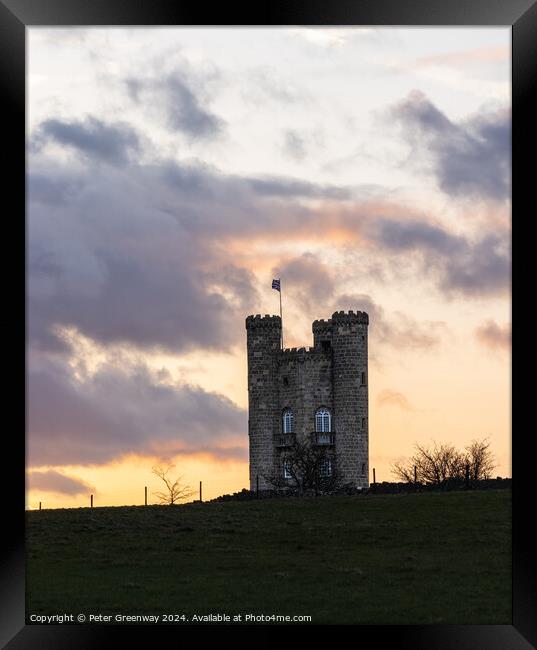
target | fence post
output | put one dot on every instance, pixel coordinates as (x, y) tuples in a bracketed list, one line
[(467, 476), (40, 505), (91, 501), (374, 476), (415, 476), (200, 493), (145, 490), (257, 486)]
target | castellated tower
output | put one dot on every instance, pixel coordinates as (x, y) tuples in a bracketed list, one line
[(349, 378), (263, 344), (318, 393)]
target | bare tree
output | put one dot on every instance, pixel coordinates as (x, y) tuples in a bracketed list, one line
[(436, 465), (175, 490), (440, 463), (480, 459), (308, 469)]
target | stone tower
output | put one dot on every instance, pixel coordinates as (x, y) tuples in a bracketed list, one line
[(319, 393), (263, 344)]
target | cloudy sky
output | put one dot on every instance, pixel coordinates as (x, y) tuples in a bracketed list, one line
[(172, 173)]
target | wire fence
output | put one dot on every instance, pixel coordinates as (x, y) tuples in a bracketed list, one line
[(143, 496), (209, 490), (147, 495)]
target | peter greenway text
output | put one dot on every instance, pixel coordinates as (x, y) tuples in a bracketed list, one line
[(56, 619)]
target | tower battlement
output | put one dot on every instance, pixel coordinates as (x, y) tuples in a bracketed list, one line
[(350, 317), (299, 353), (295, 350), (266, 321), (321, 325)]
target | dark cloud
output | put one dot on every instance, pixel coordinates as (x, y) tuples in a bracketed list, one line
[(113, 143), (237, 283), (134, 89), (397, 330), (204, 182), (52, 481), (126, 260), (124, 409), (298, 144), (403, 331), (481, 268), (185, 112), (134, 300), (184, 103), (494, 336), (307, 280), (409, 235), (138, 254), (289, 188), (310, 284), (460, 265), (53, 189), (469, 159)]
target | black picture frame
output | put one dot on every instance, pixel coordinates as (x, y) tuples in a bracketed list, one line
[(15, 16)]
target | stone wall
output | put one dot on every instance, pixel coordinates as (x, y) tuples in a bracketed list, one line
[(305, 384)]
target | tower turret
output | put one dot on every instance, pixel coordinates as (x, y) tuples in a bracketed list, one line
[(263, 344), (322, 333), (350, 386)]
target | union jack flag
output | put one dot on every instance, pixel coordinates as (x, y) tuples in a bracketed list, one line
[(276, 285)]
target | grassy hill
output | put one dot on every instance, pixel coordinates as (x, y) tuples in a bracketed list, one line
[(407, 559)]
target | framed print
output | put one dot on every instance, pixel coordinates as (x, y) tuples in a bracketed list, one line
[(267, 322)]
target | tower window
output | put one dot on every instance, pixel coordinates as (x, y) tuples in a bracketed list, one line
[(323, 421), (326, 467), (363, 379), (286, 381), (287, 469), (288, 421), (363, 423), (326, 346)]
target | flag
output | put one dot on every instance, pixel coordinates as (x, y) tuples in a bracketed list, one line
[(276, 285)]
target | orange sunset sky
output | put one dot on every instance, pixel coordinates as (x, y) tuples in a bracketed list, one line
[(172, 173)]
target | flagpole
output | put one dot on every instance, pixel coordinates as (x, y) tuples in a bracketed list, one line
[(281, 317)]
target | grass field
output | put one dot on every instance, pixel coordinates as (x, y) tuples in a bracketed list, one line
[(405, 559)]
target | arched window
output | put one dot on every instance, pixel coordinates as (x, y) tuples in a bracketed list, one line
[(323, 421), (326, 468), (287, 469), (287, 421)]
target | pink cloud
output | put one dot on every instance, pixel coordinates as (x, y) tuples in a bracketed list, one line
[(494, 336), (58, 483), (389, 397)]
